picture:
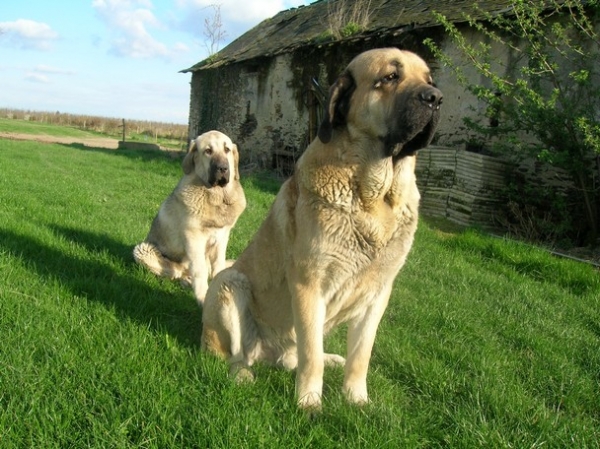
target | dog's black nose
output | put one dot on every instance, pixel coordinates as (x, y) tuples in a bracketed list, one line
[(432, 96)]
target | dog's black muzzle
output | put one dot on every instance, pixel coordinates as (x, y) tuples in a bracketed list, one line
[(219, 173), (417, 120), (431, 97)]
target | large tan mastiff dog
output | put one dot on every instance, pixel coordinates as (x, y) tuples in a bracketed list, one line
[(337, 234), (189, 235)]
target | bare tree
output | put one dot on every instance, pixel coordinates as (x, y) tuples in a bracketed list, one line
[(213, 30)]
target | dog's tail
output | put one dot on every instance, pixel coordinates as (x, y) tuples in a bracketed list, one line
[(149, 255)]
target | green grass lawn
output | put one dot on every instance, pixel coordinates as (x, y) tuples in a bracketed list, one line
[(486, 343)]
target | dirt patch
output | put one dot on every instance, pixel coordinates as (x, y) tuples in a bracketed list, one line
[(94, 142)]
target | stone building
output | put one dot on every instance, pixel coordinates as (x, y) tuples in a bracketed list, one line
[(266, 88)]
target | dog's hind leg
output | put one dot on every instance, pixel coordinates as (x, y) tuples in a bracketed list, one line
[(149, 255), (228, 329)]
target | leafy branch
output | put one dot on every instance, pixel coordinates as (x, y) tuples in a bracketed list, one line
[(551, 91)]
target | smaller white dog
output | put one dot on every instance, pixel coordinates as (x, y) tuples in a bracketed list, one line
[(189, 235)]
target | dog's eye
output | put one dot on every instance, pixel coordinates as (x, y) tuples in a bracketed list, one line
[(227, 150), (208, 151), (387, 79)]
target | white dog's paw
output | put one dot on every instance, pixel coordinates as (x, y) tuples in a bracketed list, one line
[(334, 360), (288, 361), (357, 396), (200, 289), (241, 373), (310, 402)]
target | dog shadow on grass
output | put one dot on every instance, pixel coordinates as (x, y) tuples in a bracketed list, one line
[(108, 275)]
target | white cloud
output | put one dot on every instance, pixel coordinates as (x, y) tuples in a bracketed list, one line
[(28, 34), (37, 77), (181, 47), (249, 12), (130, 21), (53, 70), (237, 17), (42, 74)]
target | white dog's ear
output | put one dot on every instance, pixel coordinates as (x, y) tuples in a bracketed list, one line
[(188, 160), (236, 162), (337, 105)]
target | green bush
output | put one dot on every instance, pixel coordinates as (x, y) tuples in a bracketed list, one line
[(547, 104), (350, 29)]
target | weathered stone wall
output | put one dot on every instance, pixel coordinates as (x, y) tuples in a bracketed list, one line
[(268, 105), (255, 104), (459, 103), (271, 107), (465, 187)]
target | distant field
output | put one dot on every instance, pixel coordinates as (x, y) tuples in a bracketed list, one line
[(37, 128), (45, 129), (486, 343)]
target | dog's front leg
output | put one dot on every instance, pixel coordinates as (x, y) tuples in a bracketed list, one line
[(219, 259), (196, 251), (361, 337), (309, 321)]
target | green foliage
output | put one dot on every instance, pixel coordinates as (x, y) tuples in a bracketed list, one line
[(324, 36), (547, 103), (211, 58), (346, 18), (350, 29), (537, 214), (485, 343)]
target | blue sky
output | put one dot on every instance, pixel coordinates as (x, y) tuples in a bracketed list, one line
[(113, 58)]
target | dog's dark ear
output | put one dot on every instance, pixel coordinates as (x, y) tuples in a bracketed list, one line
[(188, 160), (337, 106)]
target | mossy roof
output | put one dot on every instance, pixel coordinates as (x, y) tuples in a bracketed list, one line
[(308, 26)]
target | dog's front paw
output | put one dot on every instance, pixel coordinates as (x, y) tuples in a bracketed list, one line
[(241, 373), (310, 402), (200, 289), (357, 396)]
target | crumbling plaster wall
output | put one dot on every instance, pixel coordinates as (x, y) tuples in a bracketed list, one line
[(459, 103), (255, 104), (263, 104)]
